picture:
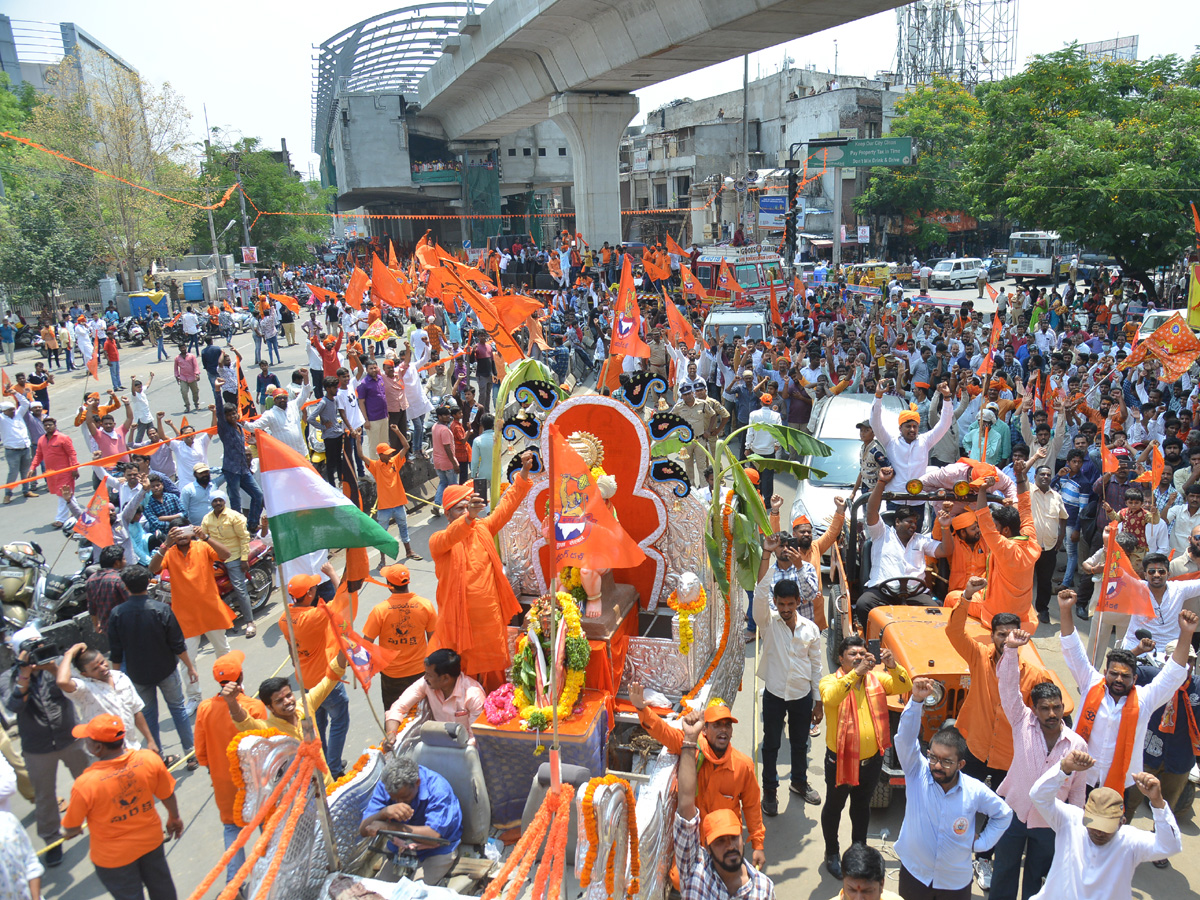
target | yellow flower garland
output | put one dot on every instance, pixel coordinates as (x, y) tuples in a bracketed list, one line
[(686, 611), (538, 718)]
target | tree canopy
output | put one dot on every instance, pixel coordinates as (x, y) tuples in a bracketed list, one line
[(271, 186)]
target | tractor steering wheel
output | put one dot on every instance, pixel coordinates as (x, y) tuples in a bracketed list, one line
[(902, 590)]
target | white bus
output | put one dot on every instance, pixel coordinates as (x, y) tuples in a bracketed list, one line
[(1031, 254)]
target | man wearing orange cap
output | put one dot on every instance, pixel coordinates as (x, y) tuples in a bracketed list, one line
[(967, 553), (315, 643), (214, 731), (474, 599), (392, 500), (403, 623), (722, 871), (328, 351), (908, 451), (761, 442), (726, 779), (115, 796)]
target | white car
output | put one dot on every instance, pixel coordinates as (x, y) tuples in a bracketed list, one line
[(836, 424)]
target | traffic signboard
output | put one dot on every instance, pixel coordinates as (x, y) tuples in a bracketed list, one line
[(897, 151)]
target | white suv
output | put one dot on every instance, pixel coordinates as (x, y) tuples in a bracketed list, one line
[(956, 273)]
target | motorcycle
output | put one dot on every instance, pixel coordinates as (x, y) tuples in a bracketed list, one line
[(260, 579), (131, 332), (31, 594)]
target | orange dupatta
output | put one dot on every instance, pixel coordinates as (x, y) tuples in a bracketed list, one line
[(1126, 732), (847, 730)]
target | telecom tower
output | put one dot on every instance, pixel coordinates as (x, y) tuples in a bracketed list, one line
[(967, 41)]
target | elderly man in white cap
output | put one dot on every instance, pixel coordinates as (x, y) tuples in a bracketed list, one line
[(14, 433)]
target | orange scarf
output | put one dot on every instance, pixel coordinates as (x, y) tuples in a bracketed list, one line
[(1126, 732), (847, 730), (1171, 715)]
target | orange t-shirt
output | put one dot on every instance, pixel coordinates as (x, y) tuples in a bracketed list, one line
[(316, 644), (195, 599), (387, 481), (116, 797), (402, 623), (213, 731)]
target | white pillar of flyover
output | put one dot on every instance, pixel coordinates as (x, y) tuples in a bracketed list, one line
[(593, 125)]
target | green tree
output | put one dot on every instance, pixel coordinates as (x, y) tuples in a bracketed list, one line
[(104, 115), (40, 253), (15, 105), (273, 188), (941, 117), (1104, 152)]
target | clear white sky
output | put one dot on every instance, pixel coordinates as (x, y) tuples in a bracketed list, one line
[(252, 62)]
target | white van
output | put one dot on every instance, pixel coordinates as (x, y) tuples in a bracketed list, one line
[(956, 273)]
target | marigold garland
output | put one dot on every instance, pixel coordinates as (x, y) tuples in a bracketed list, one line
[(576, 656), (686, 612), (591, 830), (350, 774), (235, 767)]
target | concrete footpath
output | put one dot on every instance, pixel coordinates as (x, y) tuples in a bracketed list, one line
[(793, 845)]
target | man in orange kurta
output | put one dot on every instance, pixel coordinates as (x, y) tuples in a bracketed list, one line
[(1012, 550), (474, 599), (188, 555), (214, 731)]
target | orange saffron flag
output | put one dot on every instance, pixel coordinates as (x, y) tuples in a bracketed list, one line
[(653, 270), (584, 529), (673, 247), (93, 364), (94, 523), (691, 284), (385, 286), (357, 287), (514, 309), (1108, 462), (776, 318), (726, 281), (1121, 591), (627, 318), (680, 328), (289, 302), (1157, 464), (490, 319)]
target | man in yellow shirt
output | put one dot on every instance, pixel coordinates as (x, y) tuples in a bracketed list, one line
[(285, 711), (229, 528), (857, 733)]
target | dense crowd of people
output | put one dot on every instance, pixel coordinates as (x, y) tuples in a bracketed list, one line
[(1032, 406)]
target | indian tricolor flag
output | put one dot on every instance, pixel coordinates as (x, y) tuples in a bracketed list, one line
[(305, 512)]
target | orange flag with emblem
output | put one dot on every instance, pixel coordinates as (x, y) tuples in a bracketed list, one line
[(584, 531), (1121, 591), (627, 318), (726, 281), (95, 524), (691, 284)]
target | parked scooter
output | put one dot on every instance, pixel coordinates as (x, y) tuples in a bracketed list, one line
[(33, 595)]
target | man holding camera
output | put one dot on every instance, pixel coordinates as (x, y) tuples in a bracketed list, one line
[(45, 718)]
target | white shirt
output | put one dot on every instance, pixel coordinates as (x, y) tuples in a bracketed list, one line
[(8, 784), (892, 559), (283, 423), (1103, 739), (347, 401), (937, 838), (186, 457), (95, 698), (1083, 871), (791, 660), (141, 407), (13, 433), (909, 461), (1182, 522), (1164, 625), (759, 440), (189, 323)]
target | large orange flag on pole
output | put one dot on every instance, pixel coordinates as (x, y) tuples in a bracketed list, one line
[(289, 302), (673, 247), (585, 532), (691, 284), (680, 328), (1121, 591), (1157, 465), (490, 319), (627, 318), (385, 286), (776, 318), (357, 287), (94, 524), (726, 281)]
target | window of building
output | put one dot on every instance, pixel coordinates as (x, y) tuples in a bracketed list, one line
[(512, 151), (660, 195), (562, 151), (541, 151), (526, 151)]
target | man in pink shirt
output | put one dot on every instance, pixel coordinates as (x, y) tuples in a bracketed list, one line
[(397, 399), (187, 376), (450, 695), (443, 455), (110, 439), (57, 451)]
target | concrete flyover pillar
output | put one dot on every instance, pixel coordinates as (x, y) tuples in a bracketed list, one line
[(593, 125)]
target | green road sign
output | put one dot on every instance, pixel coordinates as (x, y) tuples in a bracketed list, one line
[(888, 151)]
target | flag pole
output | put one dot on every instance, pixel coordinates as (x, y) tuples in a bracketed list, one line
[(310, 734), (555, 763)]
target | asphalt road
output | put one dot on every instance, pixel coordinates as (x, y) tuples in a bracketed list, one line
[(793, 845)]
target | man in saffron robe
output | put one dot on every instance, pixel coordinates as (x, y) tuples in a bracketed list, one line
[(474, 599)]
